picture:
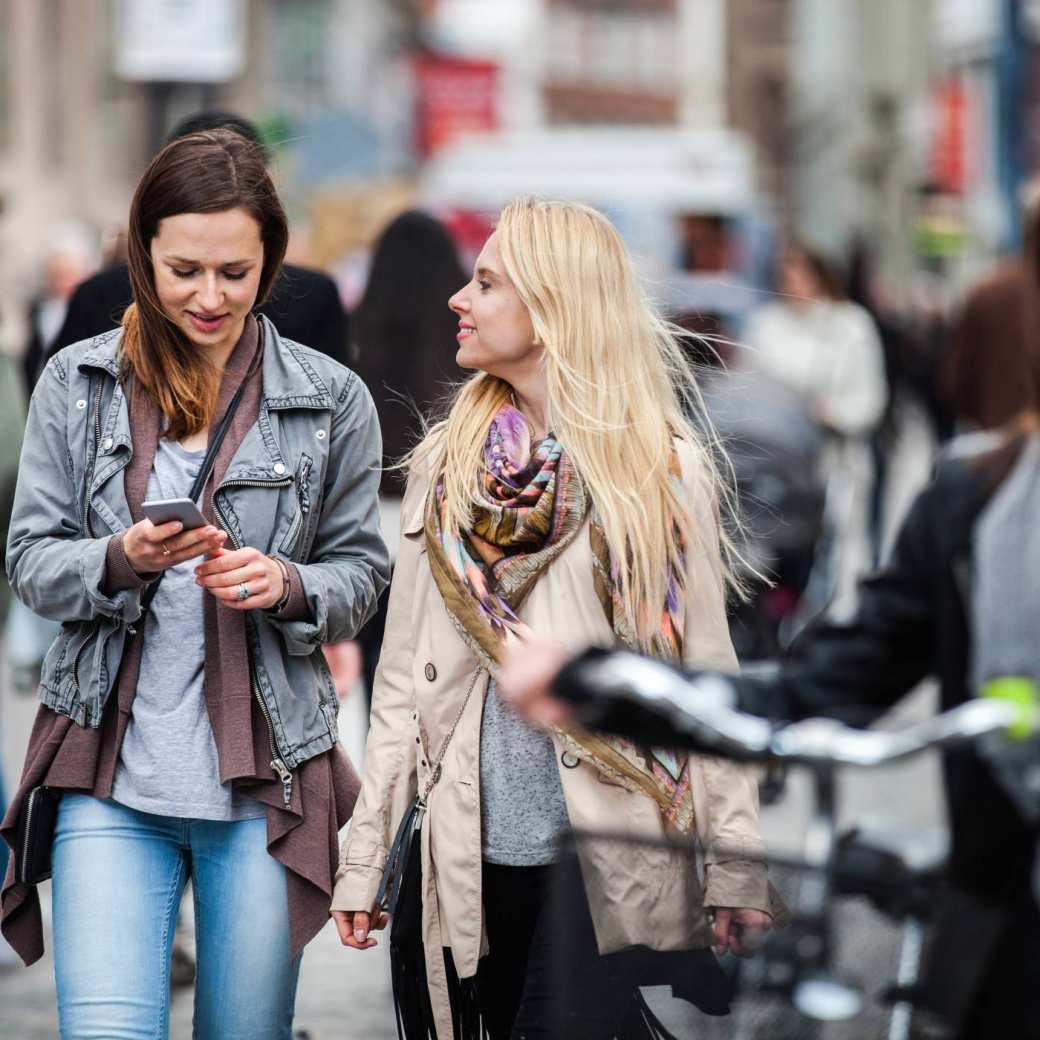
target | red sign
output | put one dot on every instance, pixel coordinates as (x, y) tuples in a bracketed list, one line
[(948, 163), (454, 96)]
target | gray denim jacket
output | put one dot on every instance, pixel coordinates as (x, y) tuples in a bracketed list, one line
[(303, 484)]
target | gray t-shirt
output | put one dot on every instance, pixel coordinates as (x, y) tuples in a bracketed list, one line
[(168, 763), (522, 808)]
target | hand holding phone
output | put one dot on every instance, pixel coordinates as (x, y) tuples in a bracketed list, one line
[(167, 510), (182, 534)]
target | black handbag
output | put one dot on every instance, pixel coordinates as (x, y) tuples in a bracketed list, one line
[(38, 815), (35, 835), (400, 896)]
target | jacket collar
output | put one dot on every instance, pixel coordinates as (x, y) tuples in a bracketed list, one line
[(290, 379), (103, 353)]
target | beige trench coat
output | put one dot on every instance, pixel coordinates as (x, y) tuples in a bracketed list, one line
[(637, 894)]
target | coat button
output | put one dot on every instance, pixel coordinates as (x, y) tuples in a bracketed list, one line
[(279, 468), (107, 443), (431, 672), (320, 435), (81, 404), (570, 760)]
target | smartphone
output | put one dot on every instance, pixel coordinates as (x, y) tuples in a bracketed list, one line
[(162, 511)]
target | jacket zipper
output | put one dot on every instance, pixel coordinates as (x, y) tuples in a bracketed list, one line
[(87, 526), (278, 766), (75, 666), (28, 830)]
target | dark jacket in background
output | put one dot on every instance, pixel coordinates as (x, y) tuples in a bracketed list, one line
[(304, 306), (35, 354), (913, 621), (986, 378)]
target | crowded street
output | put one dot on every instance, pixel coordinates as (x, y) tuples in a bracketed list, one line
[(517, 520), (344, 993)]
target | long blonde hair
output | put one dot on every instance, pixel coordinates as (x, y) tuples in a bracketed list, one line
[(622, 396)]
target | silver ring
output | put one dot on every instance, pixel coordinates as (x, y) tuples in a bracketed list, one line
[(243, 592)]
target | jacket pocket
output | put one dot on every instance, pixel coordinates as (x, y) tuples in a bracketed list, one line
[(295, 543), (54, 663)]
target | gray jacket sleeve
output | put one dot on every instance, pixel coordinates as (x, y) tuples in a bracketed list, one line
[(53, 568), (348, 567)]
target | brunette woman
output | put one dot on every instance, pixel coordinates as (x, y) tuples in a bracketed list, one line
[(197, 739)]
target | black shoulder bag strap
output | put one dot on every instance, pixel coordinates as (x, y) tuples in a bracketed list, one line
[(205, 469)]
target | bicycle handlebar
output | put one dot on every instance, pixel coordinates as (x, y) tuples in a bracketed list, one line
[(655, 703)]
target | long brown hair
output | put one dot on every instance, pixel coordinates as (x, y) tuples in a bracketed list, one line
[(209, 172)]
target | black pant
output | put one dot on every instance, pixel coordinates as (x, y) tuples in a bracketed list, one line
[(543, 976)]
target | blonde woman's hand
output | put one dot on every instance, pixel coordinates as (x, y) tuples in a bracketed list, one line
[(228, 572), (739, 929), (354, 927), (150, 548)]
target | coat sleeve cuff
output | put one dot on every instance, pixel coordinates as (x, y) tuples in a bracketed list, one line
[(737, 878), (356, 888), (119, 575), (303, 634), (296, 607)]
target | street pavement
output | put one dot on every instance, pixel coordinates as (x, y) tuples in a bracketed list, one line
[(345, 994)]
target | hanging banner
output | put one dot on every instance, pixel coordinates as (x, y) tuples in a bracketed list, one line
[(454, 97), (948, 160)]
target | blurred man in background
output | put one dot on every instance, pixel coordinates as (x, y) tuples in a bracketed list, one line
[(71, 257)]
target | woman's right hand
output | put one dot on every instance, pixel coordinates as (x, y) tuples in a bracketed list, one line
[(150, 548), (354, 927)]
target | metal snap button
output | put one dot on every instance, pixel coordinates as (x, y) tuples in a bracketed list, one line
[(431, 672), (81, 404), (279, 468), (570, 760), (107, 444), (320, 435)]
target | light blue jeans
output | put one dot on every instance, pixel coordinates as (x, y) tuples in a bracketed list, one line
[(117, 884)]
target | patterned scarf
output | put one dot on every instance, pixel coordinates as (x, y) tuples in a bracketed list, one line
[(531, 506)]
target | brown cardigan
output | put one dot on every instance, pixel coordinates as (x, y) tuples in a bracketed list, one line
[(303, 837)]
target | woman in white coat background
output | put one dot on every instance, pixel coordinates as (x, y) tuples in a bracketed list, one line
[(827, 349)]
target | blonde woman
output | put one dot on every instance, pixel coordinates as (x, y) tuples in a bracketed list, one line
[(567, 493)]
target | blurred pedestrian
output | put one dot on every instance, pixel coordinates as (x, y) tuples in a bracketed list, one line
[(566, 491), (986, 369), (303, 304), (71, 257), (827, 349), (187, 716), (404, 350), (404, 341)]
